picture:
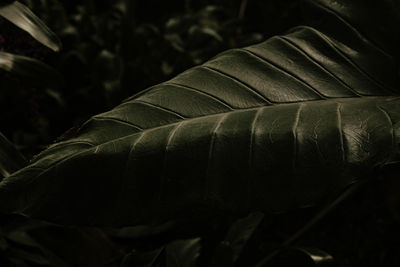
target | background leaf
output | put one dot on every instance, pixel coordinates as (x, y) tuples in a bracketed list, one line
[(141, 259), (31, 70), (183, 252), (302, 257), (241, 231), (22, 16), (11, 159)]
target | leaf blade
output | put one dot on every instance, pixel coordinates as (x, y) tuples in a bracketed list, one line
[(183, 252), (31, 69), (287, 111), (11, 159), (24, 18)]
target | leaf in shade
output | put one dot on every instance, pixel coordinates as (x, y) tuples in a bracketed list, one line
[(141, 231), (22, 16), (223, 255), (11, 159), (29, 258), (141, 259), (229, 250), (183, 252), (76, 246), (31, 70), (241, 231), (284, 124), (28, 249), (302, 257)]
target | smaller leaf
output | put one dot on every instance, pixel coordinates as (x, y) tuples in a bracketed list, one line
[(106, 66), (183, 252), (140, 231), (141, 259), (32, 251), (31, 69), (302, 257), (11, 159), (241, 231), (28, 256), (23, 17)]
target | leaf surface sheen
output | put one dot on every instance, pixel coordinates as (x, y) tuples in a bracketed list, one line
[(22, 17), (284, 124), (31, 70)]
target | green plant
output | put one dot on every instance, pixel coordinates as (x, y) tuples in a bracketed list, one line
[(297, 121)]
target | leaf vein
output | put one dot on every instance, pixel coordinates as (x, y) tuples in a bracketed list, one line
[(242, 83), (283, 70)]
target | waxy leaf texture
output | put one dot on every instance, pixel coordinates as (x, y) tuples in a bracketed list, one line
[(284, 124)]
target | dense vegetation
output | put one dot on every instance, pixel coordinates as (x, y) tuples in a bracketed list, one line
[(107, 57), (114, 49)]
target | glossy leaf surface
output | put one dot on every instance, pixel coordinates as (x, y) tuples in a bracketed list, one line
[(302, 257), (284, 124), (22, 17)]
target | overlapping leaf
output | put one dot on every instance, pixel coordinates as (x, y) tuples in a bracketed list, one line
[(287, 123)]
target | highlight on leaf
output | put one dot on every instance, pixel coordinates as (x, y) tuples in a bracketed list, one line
[(32, 70), (21, 16)]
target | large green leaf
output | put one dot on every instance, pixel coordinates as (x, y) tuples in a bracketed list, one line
[(287, 123), (21, 16)]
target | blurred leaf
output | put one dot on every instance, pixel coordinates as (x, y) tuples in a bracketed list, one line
[(141, 231), (28, 256), (22, 16), (175, 41), (56, 96), (11, 159), (241, 231), (31, 70), (183, 252), (141, 259), (106, 66), (302, 257), (209, 31), (31, 250), (76, 246), (223, 255), (229, 250)]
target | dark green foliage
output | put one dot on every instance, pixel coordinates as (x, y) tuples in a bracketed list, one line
[(302, 257), (31, 70), (141, 259), (285, 126), (183, 252), (11, 159), (288, 111)]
